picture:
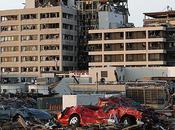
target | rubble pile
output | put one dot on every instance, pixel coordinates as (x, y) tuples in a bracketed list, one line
[(114, 113)]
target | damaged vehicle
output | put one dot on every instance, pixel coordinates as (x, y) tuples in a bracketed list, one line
[(113, 110), (12, 111)]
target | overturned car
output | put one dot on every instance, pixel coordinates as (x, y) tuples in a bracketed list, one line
[(113, 110)]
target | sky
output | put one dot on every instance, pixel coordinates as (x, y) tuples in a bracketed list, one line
[(136, 7)]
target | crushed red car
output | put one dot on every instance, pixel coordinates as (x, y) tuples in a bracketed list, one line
[(108, 110)]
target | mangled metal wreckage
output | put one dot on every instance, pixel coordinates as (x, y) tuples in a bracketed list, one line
[(13, 110), (117, 111)]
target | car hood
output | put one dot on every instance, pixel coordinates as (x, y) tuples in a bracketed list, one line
[(40, 114)]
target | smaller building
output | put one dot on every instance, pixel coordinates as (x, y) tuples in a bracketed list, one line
[(131, 47), (159, 18)]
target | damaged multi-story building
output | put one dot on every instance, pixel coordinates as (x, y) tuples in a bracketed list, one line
[(98, 14), (38, 39), (151, 45)]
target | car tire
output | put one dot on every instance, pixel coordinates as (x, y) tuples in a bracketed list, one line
[(74, 120), (128, 121)]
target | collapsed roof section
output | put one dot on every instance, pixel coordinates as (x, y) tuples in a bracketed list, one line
[(48, 3)]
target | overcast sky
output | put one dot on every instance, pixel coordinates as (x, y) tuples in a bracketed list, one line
[(136, 7)]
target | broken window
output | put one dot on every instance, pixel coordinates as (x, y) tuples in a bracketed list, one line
[(9, 48), (114, 47), (95, 36), (136, 46), (156, 34), (136, 35), (29, 58), (68, 37), (49, 47), (49, 58), (29, 27), (49, 68), (9, 28), (49, 26), (29, 69), (29, 37), (9, 69), (29, 48), (47, 3), (95, 47), (10, 59), (114, 36), (68, 16), (155, 45), (9, 38), (28, 16), (67, 26), (49, 36), (49, 15), (9, 18)]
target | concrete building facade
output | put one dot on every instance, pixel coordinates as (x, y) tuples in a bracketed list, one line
[(132, 47), (40, 38)]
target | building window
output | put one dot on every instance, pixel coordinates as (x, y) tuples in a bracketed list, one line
[(156, 34), (9, 28), (156, 57), (28, 16), (49, 47), (67, 58), (29, 37), (114, 47), (49, 36), (155, 45), (29, 27), (10, 59), (114, 58), (9, 49), (104, 74), (29, 69), (136, 46), (49, 15), (9, 38), (9, 69), (136, 35), (95, 47), (49, 68), (29, 58), (67, 26), (114, 36), (49, 58), (49, 26), (95, 36), (9, 18), (96, 58), (68, 37), (29, 48), (135, 57), (68, 47), (68, 16)]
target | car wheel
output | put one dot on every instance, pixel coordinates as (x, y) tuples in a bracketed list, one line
[(74, 120), (128, 121)]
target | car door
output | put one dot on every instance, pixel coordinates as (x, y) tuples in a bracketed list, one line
[(4, 112)]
